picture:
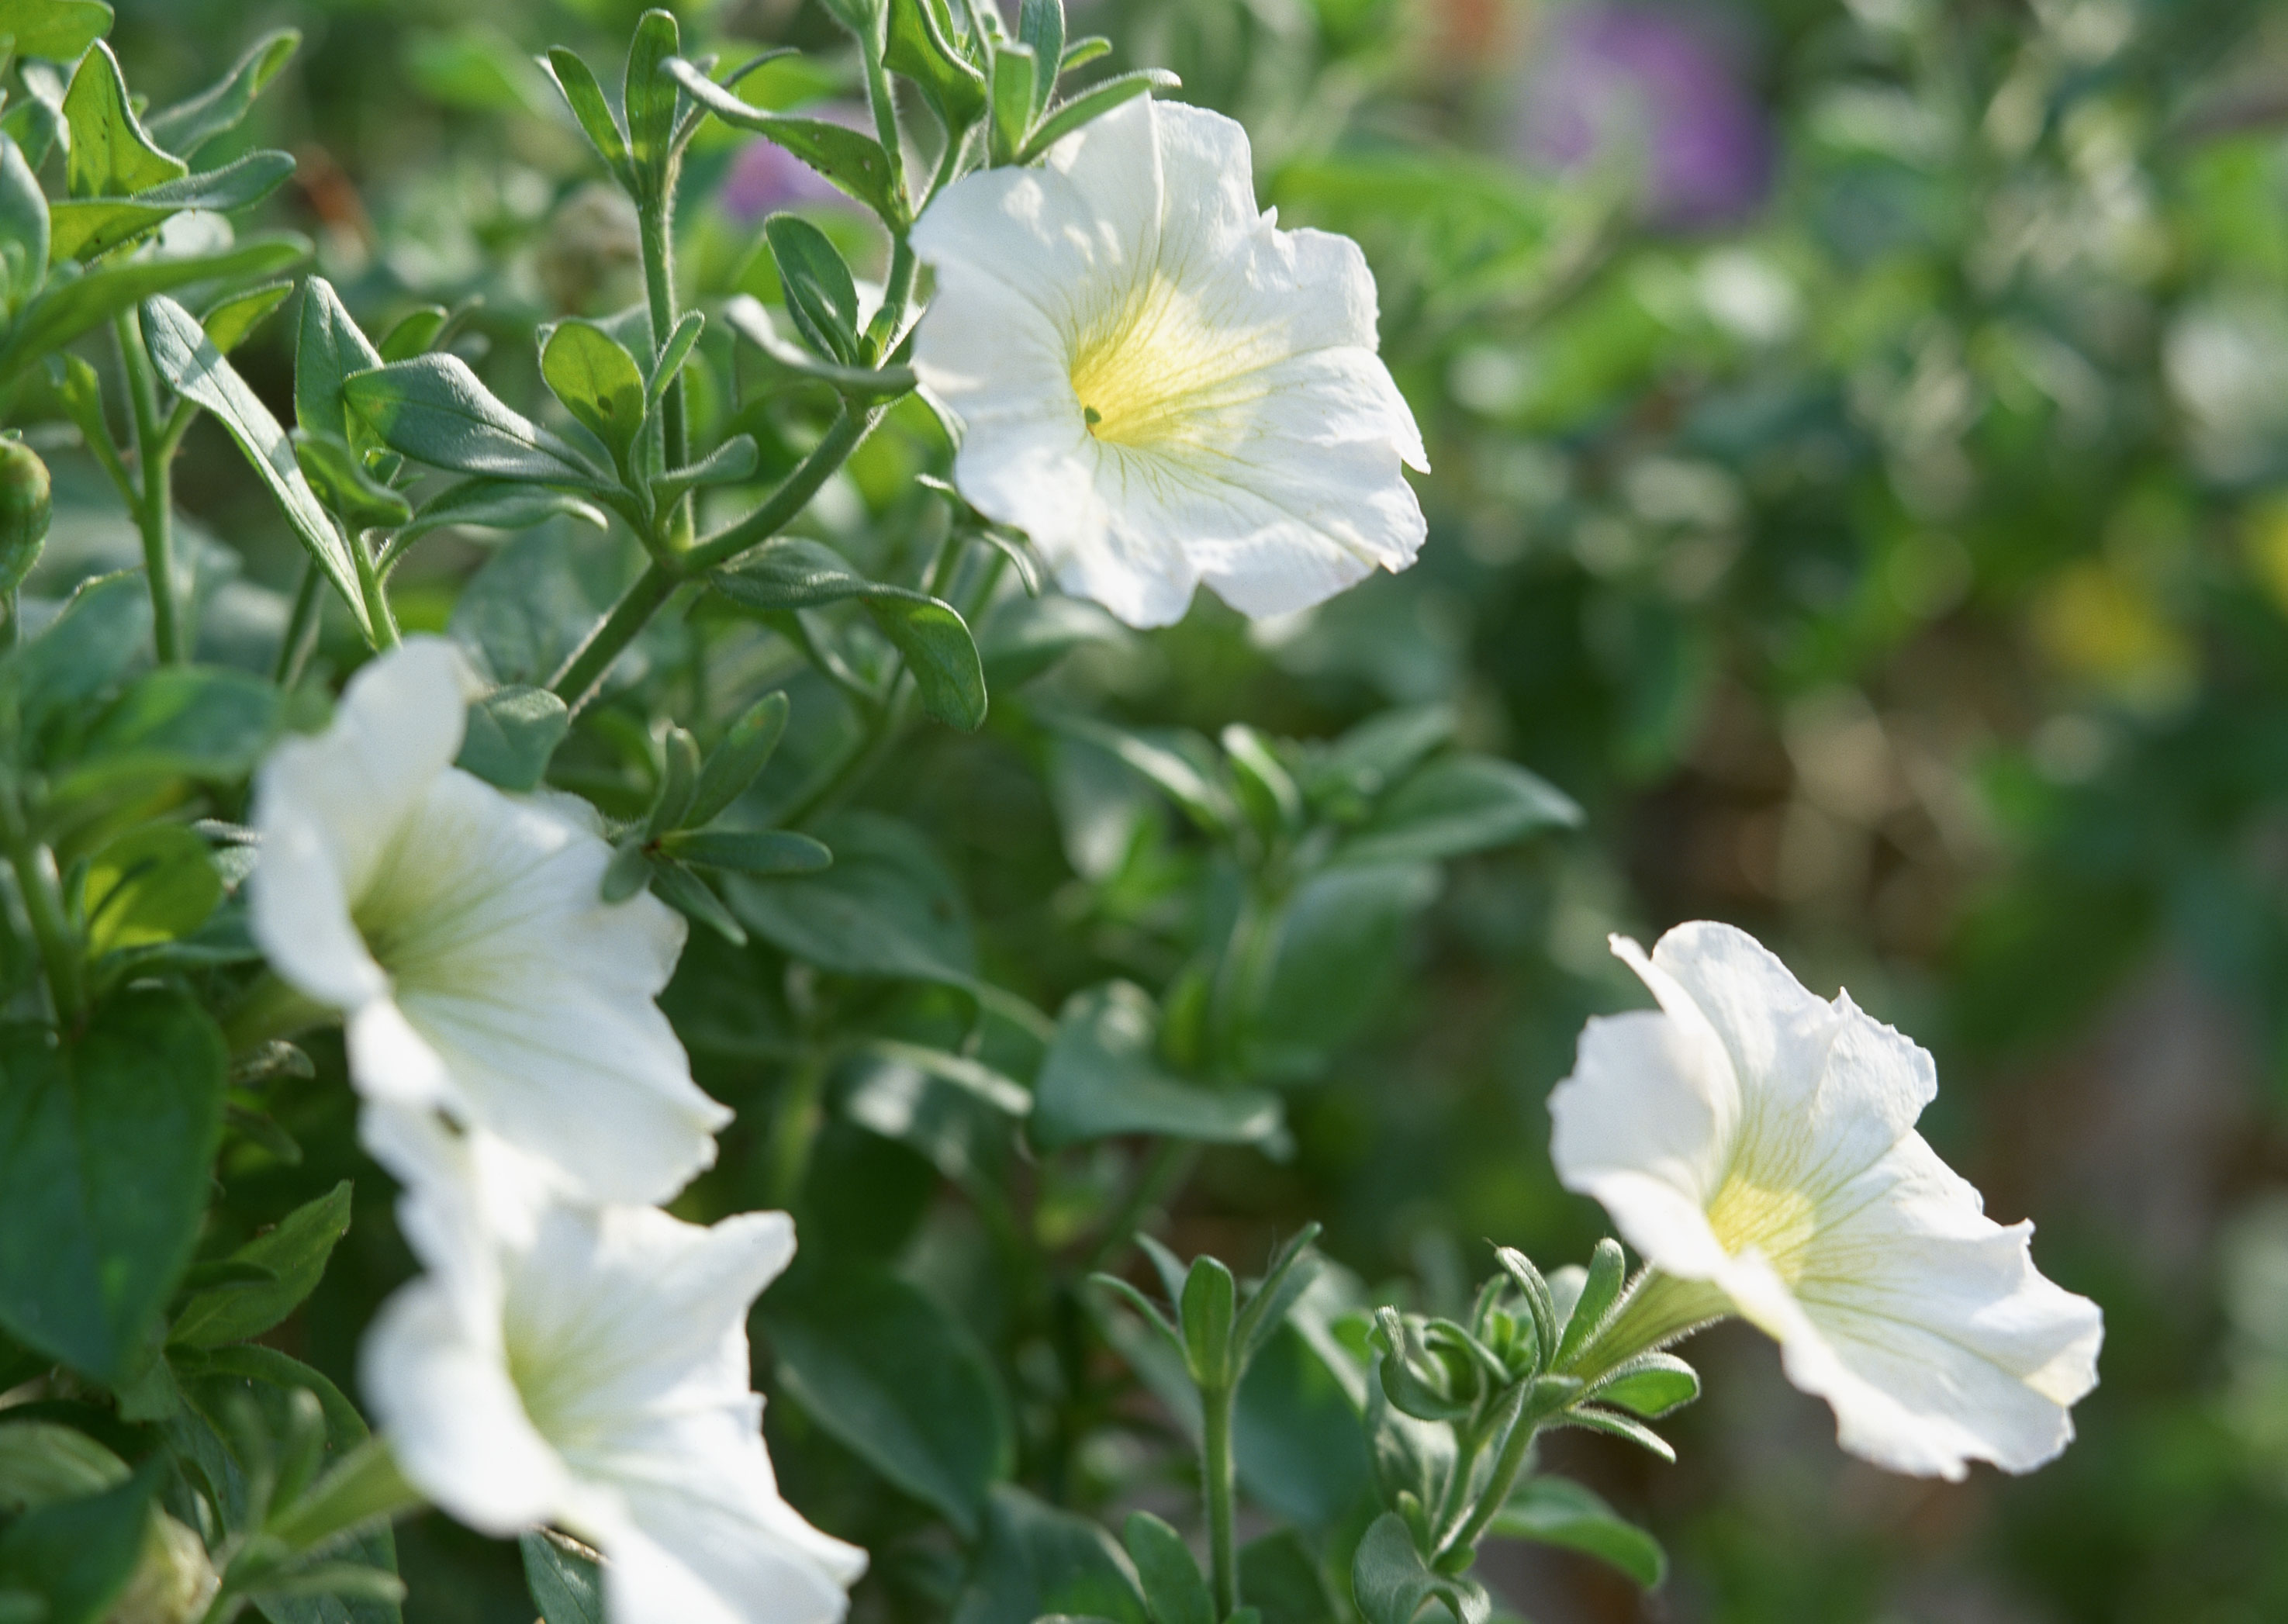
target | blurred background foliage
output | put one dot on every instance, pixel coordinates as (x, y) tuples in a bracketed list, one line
[(1860, 436)]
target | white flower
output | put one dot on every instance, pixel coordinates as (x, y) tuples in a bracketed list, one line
[(1158, 386), (587, 1368), (1751, 1136), (460, 932)]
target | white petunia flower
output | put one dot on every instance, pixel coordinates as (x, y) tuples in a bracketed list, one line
[(460, 932), (587, 1368), (1158, 386), (1753, 1137)]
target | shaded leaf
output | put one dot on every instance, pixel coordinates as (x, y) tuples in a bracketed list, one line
[(1456, 805), (1038, 1561), (433, 409), (886, 1371), (563, 1578), (1101, 1077), (292, 1256), (1558, 1511), (104, 1146), (852, 160), (512, 733), (191, 123)]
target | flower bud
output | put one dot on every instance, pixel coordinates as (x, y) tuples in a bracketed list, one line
[(24, 508), (173, 1582)]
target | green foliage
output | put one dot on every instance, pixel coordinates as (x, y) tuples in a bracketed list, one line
[(105, 1140)]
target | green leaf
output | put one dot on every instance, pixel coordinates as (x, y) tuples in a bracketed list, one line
[(1620, 1426), (1092, 103), (294, 1254), (728, 464), (330, 348), (86, 227), (1174, 1593), (41, 1463), (190, 124), (341, 483), (792, 572), (23, 230), (1279, 1575), (692, 896), (598, 383), (1608, 1271), (513, 731), (198, 722), (1101, 1077), (69, 306), (105, 1147), (1296, 1432), (921, 47), (197, 370), (112, 155), (54, 30), (77, 1555), (497, 505), (152, 884), (1181, 766), (1013, 100), (1204, 1310), (576, 82), (886, 907), (852, 160), (433, 410), (103, 625), (230, 319), (745, 749), (1023, 637), (671, 355), (1392, 1584), (1338, 954), (1037, 1562), (218, 1385), (1082, 51), (755, 852), (563, 1577), (1458, 804), (648, 92), (820, 295), (1650, 1385), (1041, 26), (414, 332), (886, 1371), (1378, 752)]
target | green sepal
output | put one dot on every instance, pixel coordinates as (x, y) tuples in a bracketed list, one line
[(741, 755)]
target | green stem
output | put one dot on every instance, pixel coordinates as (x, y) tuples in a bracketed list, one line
[(658, 236), (1507, 1465), (833, 450), (585, 672), (155, 509), (376, 595), (11, 628), (1219, 1476), (44, 905), (795, 1122), (882, 334), (301, 627), (884, 108)]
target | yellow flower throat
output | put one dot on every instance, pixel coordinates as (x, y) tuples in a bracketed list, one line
[(1145, 371), (1779, 1221)]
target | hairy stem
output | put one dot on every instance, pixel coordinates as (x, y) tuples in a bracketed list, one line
[(1507, 1465), (154, 507), (658, 233), (301, 627), (1219, 1477), (584, 673)]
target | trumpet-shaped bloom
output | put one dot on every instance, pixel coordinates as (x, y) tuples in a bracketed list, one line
[(588, 1368), (460, 932), (1158, 386), (1753, 1137)]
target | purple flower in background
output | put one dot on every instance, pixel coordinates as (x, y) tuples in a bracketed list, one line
[(1654, 87), (764, 177)]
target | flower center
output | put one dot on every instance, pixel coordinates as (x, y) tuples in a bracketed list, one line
[(1778, 1221), (1145, 371)]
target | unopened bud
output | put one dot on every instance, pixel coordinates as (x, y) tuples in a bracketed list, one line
[(24, 508)]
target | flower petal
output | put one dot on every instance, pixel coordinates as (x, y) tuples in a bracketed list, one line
[(536, 994), (440, 1387), (1640, 1126)]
